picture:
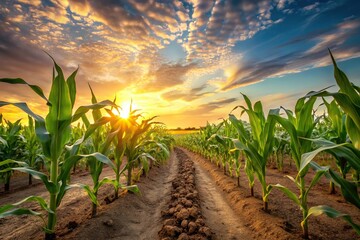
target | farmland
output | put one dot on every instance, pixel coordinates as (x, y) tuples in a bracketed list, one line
[(96, 172)]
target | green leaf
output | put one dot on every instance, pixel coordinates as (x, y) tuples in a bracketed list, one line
[(132, 188), (344, 102), (87, 189), (84, 109), (330, 212), (288, 193), (72, 86), (24, 107), (344, 83), (13, 162), (67, 166), (341, 151), (35, 88), (50, 186), (58, 119), (18, 212), (3, 141), (353, 131), (306, 158), (316, 179), (106, 180), (37, 199), (348, 189), (96, 112)]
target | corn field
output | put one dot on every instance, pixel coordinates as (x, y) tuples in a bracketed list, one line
[(95, 136), (49, 148), (300, 134)]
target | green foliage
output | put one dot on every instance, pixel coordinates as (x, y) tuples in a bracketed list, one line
[(13, 143), (260, 146), (54, 132), (336, 133)]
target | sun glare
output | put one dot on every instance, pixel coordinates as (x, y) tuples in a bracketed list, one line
[(126, 107), (125, 113)]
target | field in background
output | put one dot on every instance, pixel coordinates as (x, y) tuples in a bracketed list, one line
[(182, 131)]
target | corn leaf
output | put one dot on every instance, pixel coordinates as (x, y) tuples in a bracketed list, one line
[(353, 131), (84, 109), (86, 188), (35, 88), (103, 181), (343, 151), (72, 86), (288, 193), (18, 212), (96, 112), (50, 186), (344, 83), (306, 158), (330, 212), (316, 178), (37, 199), (3, 141), (58, 119), (348, 189)]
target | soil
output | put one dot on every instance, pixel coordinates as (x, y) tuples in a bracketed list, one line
[(183, 219), (224, 210)]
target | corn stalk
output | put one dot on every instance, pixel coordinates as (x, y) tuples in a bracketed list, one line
[(259, 147), (53, 132)]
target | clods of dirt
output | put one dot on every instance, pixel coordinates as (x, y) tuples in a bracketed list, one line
[(183, 219), (72, 225)]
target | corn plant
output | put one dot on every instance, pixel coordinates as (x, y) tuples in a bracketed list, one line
[(160, 145), (32, 147), (120, 126), (53, 132), (300, 127), (281, 141), (243, 137), (225, 145), (135, 144), (129, 141), (259, 147), (100, 142), (13, 149), (337, 134), (77, 132), (348, 98)]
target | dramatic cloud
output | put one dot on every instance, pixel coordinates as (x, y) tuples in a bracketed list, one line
[(207, 108), (189, 96), (182, 56), (336, 39)]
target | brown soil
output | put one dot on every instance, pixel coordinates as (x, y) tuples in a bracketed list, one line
[(283, 221), (183, 219), (227, 210)]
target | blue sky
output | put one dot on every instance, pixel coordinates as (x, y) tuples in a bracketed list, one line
[(186, 61)]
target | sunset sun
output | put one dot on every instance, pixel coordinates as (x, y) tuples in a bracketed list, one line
[(125, 109)]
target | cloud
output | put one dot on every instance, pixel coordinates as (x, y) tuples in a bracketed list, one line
[(186, 95), (336, 39), (208, 108), (164, 77), (30, 2), (311, 7), (218, 25)]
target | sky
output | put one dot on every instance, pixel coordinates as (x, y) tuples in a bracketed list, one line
[(186, 61)]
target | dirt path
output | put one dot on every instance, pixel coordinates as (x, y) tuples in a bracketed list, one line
[(134, 217), (219, 216)]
